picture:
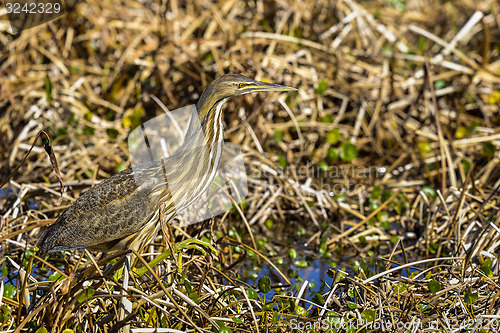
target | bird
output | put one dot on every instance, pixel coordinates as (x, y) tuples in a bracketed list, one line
[(123, 211)]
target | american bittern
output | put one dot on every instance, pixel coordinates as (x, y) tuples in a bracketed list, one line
[(123, 211)]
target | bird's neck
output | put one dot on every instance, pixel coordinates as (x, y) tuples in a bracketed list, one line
[(205, 127), (199, 157)]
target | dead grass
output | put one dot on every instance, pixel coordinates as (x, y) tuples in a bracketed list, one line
[(413, 85)]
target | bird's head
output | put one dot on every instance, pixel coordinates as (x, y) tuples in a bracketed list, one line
[(230, 85)]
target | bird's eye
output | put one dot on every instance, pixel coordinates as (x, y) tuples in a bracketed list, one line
[(241, 85)]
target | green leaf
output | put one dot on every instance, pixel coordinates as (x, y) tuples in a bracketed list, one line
[(400, 287), (376, 192), (261, 243), (489, 148), (333, 136), (434, 286), (113, 133), (292, 254), (461, 132), (433, 247), (134, 119), (88, 130), (470, 297), (268, 306), (429, 192), (352, 305), (327, 118), (264, 284), (9, 291), (224, 328), (332, 155), (422, 44), (86, 295), (333, 320), (385, 225), (278, 135), (188, 286), (322, 86), (282, 160), (386, 195), (88, 116), (61, 131), (340, 197), (41, 330), (301, 311), (466, 166), (424, 147), (486, 267), (494, 98), (323, 247), (48, 89), (318, 299), (252, 294), (340, 275), (5, 271), (424, 307), (300, 263), (194, 296), (269, 224), (323, 166), (348, 151), (475, 124), (68, 330), (365, 268), (373, 205), (383, 216), (439, 84), (274, 321), (75, 70), (368, 315)]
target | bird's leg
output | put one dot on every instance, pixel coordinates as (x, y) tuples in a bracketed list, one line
[(191, 243), (126, 305)]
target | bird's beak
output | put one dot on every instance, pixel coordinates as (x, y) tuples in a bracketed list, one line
[(257, 86)]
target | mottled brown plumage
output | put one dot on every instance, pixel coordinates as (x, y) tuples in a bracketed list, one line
[(122, 211)]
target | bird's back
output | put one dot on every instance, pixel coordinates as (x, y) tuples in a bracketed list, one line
[(122, 205), (112, 209)]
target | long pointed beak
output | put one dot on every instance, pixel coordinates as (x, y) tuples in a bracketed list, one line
[(264, 86)]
